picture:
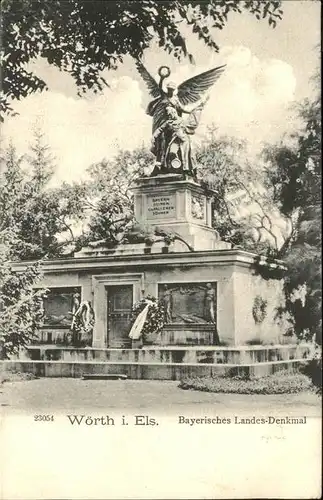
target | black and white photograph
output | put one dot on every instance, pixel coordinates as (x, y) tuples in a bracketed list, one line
[(160, 249)]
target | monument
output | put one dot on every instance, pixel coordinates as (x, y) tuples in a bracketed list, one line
[(172, 198), (171, 131), (217, 313)]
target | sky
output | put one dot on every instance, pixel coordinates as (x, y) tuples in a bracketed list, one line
[(267, 71)]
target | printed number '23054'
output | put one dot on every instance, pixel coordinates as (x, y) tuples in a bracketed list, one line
[(44, 418)]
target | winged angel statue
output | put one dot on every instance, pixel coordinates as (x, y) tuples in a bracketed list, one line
[(171, 143)]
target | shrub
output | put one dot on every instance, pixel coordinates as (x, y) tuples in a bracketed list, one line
[(12, 376), (313, 368), (279, 383)]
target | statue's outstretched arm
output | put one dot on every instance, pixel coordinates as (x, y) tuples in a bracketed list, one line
[(189, 108)]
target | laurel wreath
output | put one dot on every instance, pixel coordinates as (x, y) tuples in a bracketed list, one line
[(155, 318), (259, 309)]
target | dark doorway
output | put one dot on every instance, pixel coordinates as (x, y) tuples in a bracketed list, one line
[(120, 300)]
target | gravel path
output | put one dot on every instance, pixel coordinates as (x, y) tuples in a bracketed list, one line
[(64, 394)]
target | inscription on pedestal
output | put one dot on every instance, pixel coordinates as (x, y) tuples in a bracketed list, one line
[(161, 207)]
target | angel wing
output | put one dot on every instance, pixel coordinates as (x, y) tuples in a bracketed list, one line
[(192, 89), (151, 83)]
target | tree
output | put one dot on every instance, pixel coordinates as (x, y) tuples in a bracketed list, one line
[(294, 169), (12, 181), (294, 166), (20, 305), (33, 218), (84, 38), (245, 213), (40, 215), (108, 200)]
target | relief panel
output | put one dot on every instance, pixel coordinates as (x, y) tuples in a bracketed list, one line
[(189, 303)]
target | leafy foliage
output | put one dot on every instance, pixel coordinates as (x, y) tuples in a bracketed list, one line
[(245, 213), (144, 233), (108, 195), (32, 217), (294, 169), (20, 306), (83, 38), (38, 214), (313, 368), (278, 383), (14, 376), (140, 233)]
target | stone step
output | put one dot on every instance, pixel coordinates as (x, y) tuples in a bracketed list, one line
[(172, 355), (104, 376), (144, 371)]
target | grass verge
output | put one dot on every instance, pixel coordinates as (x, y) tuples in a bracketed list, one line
[(279, 383)]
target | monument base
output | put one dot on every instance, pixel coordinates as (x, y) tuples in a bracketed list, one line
[(244, 304), (161, 363), (175, 205)]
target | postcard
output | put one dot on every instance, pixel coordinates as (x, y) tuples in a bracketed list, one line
[(160, 257)]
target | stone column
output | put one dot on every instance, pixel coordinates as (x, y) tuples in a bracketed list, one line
[(226, 311), (100, 313)]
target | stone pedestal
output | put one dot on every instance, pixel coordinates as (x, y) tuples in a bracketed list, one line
[(179, 206)]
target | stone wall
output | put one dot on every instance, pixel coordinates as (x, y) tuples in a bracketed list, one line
[(231, 270), (256, 305)]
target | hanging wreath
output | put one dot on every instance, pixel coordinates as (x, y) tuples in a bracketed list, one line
[(154, 319), (259, 309), (82, 325)]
